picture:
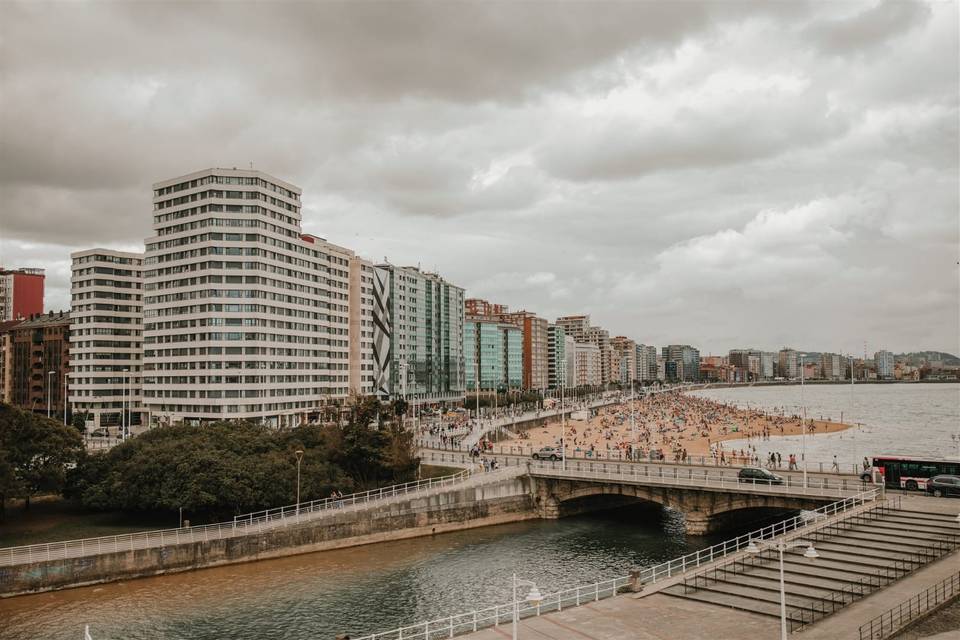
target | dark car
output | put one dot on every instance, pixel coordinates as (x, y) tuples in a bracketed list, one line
[(944, 486), (757, 475), (548, 453)]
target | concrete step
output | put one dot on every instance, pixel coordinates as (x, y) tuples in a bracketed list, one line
[(831, 570), (881, 528), (829, 581), (865, 554), (766, 582), (893, 543), (764, 594), (726, 600), (912, 519)]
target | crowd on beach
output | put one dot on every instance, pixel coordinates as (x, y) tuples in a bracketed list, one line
[(678, 427)]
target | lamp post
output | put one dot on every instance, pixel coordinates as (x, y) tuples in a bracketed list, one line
[(533, 597), (64, 398), (781, 545), (299, 454), (49, 389)]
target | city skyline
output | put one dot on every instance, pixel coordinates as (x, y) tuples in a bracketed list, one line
[(812, 203)]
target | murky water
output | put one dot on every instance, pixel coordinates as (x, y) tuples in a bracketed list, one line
[(908, 419), (360, 590)]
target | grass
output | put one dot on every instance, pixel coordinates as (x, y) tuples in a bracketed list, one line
[(435, 471), (52, 519)]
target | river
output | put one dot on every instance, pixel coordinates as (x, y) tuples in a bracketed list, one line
[(359, 590), (919, 419)]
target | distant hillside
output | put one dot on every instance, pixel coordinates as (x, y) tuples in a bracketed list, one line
[(920, 358)]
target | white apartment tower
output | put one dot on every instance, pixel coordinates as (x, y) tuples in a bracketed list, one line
[(245, 316), (106, 327)]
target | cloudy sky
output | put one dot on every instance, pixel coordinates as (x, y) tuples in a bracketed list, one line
[(724, 174)]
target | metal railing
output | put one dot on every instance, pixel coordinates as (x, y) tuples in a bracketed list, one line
[(887, 623), (450, 626), (494, 616), (677, 477), (242, 525), (362, 497), (617, 455)]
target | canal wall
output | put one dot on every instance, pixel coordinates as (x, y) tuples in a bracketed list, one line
[(499, 502)]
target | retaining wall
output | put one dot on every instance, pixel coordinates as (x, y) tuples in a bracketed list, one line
[(505, 501)]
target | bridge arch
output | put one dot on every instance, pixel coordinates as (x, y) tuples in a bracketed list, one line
[(704, 511)]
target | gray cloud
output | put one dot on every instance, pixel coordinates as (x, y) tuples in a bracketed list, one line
[(721, 173)]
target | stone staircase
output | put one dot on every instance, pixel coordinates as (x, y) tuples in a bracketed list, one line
[(858, 555)]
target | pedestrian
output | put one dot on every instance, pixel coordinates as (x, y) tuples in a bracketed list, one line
[(836, 465)]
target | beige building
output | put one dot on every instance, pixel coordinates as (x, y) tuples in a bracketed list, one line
[(106, 337), (588, 364), (245, 316), (579, 327), (624, 359)]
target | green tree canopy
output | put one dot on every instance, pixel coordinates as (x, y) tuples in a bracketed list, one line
[(35, 453)]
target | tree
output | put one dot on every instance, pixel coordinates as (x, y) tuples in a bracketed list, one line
[(36, 452)]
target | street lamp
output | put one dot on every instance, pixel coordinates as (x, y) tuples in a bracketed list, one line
[(299, 454), (533, 597), (49, 374), (781, 546), (563, 429)]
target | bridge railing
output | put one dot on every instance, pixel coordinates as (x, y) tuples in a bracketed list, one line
[(617, 455), (450, 626), (677, 476), (248, 523)]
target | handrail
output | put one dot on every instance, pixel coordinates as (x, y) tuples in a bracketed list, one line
[(616, 455), (450, 626), (250, 522), (353, 498), (815, 487), (899, 616)]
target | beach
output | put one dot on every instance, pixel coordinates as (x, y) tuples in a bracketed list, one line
[(678, 425)]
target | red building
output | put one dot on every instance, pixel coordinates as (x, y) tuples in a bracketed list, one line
[(21, 293)]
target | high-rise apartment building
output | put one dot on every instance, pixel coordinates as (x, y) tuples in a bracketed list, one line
[(685, 361), (535, 339), (106, 337), (624, 355), (570, 353), (421, 316), (245, 316), (579, 327), (646, 363), (831, 366), (40, 363), (556, 357), (21, 293), (883, 360), (361, 302), (767, 368), (494, 351), (588, 364), (788, 364)]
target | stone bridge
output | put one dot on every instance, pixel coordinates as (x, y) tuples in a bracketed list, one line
[(710, 498)]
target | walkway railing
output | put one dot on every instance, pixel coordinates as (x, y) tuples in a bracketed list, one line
[(887, 623), (306, 508), (450, 626), (242, 525)]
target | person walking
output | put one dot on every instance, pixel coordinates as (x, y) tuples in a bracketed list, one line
[(836, 465)]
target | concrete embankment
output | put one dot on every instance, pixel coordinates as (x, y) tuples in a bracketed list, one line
[(502, 499)]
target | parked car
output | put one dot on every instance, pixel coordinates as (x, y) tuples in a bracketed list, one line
[(100, 433), (548, 453), (758, 475), (944, 486)]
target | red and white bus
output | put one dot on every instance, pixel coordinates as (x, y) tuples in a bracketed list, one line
[(904, 472)]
